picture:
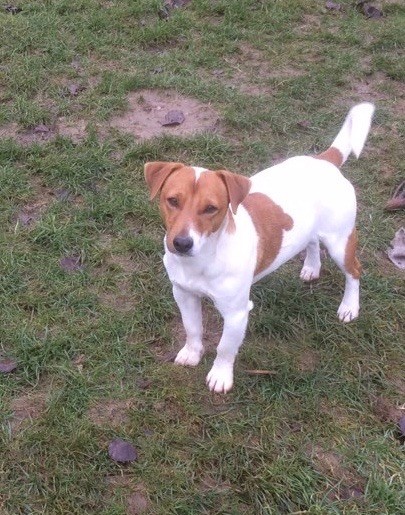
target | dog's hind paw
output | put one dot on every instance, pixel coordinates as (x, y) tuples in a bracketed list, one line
[(347, 313), (188, 357), (220, 379)]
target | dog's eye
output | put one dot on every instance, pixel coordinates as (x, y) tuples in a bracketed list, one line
[(210, 209), (173, 201)]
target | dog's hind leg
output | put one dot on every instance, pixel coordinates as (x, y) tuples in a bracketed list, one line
[(343, 252), (312, 264), (191, 314)]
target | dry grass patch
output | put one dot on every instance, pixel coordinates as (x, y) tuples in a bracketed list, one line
[(111, 412)]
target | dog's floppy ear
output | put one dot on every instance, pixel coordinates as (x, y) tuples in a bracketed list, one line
[(237, 185), (156, 173)]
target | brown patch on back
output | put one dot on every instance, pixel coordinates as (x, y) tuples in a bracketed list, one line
[(270, 221), (333, 155), (352, 264)]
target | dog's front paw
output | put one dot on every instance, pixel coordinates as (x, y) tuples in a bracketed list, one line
[(220, 378), (347, 313), (188, 357), (308, 274)]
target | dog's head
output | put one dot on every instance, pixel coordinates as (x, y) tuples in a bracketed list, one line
[(194, 202)]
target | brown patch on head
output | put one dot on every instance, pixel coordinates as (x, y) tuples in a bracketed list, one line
[(238, 187), (270, 221), (352, 264), (156, 173), (187, 203), (333, 155)]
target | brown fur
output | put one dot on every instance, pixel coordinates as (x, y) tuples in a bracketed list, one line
[(270, 221), (352, 264), (333, 155)]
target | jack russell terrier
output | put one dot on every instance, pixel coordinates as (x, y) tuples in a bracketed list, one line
[(226, 231)]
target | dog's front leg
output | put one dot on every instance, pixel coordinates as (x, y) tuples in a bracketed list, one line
[(190, 308), (220, 377)]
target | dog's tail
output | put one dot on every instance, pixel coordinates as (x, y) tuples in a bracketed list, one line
[(352, 135)]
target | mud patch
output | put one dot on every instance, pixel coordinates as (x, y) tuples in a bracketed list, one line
[(348, 482), (33, 210), (147, 109), (308, 361), (135, 495), (385, 411)]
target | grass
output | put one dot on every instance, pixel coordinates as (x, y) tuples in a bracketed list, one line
[(318, 434)]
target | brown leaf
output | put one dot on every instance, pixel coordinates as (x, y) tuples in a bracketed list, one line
[(42, 129), (7, 365), (71, 263), (372, 12), (75, 89), (173, 117), (121, 451)]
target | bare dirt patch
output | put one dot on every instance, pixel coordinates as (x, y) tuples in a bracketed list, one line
[(135, 494), (385, 411), (147, 109), (31, 212), (349, 484), (110, 412), (27, 408), (143, 119), (308, 361)]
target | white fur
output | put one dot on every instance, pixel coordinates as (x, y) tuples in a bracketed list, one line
[(321, 203)]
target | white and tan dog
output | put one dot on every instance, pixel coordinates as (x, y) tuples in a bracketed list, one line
[(225, 232)]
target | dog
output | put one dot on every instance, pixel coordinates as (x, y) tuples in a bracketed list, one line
[(225, 231)]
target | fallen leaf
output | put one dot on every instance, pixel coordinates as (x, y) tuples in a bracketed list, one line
[(71, 263), (7, 365), (75, 89), (304, 124), (333, 6), (42, 129), (401, 425), (173, 117), (25, 218), (397, 251), (372, 12), (12, 9), (62, 194), (121, 451), (369, 10)]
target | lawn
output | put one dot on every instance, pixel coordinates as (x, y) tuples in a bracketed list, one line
[(88, 324)]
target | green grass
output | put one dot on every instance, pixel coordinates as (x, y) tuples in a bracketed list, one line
[(318, 434)]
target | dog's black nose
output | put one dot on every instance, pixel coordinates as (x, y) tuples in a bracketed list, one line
[(183, 244)]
